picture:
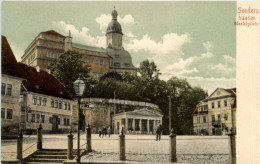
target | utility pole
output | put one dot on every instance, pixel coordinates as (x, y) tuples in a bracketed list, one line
[(170, 115), (114, 113)]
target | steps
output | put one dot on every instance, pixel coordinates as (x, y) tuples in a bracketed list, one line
[(51, 156)]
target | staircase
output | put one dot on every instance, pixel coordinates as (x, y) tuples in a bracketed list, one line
[(52, 156)]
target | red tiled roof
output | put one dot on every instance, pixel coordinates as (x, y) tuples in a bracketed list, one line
[(52, 32), (42, 82), (38, 82), (201, 112), (9, 63)]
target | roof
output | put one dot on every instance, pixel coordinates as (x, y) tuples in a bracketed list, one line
[(114, 26), (9, 62), (200, 112), (232, 91), (52, 32), (141, 112), (38, 82), (42, 82), (88, 48), (121, 58)]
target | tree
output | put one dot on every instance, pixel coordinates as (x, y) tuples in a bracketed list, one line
[(67, 69), (149, 69)]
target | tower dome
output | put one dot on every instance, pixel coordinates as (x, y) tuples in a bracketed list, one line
[(114, 26)]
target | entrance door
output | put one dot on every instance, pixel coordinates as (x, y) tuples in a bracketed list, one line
[(144, 126), (54, 123)]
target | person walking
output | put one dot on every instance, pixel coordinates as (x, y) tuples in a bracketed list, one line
[(105, 131), (109, 131), (99, 132), (158, 132)]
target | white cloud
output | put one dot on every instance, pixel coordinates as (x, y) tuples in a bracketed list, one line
[(207, 45), (169, 43), (83, 34), (207, 55), (181, 64), (227, 67), (17, 50), (229, 59)]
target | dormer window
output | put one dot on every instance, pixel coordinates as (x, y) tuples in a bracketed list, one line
[(117, 64), (127, 64)]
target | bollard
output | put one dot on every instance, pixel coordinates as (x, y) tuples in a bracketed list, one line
[(39, 137), (122, 145), (70, 146), (20, 146), (88, 137), (232, 146), (172, 147)]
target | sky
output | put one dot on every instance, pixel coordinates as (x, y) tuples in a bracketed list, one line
[(189, 40)]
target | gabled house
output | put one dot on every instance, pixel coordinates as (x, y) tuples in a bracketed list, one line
[(30, 97), (216, 114)]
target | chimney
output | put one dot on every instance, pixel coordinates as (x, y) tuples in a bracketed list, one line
[(37, 68)]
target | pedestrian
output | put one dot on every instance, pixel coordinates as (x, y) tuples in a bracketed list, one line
[(109, 131), (158, 132), (99, 132), (105, 130)]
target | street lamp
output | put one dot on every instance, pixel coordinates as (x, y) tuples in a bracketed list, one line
[(79, 86)]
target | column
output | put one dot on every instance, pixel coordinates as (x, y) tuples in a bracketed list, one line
[(126, 125), (148, 125), (154, 126), (133, 125), (140, 124)]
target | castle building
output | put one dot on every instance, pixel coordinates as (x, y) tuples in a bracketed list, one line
[(48, 46), (216, 114)]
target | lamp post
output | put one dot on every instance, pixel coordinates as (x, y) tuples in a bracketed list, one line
[(79, 86)]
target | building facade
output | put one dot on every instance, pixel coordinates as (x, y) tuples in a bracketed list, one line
[(10, 92), (48, 46), (30, 97), (216, 114), (99, 112), (141, 121)]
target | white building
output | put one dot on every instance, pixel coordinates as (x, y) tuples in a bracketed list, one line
[(216, 114)]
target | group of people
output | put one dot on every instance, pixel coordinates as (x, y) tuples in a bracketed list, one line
[(104, 131)]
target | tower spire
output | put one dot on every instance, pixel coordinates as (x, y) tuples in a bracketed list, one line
[(114, 14)]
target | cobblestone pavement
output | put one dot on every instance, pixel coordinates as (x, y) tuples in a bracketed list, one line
[(195, 149)]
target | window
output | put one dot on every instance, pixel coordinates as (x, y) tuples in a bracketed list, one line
[(127, 64), (68, 121), (50, 55), (2, 112), (198, 119), (59, 39), (56, 104), (117, 64), (47, 36), (103, 62), (60, 46), (65, 106), (219, 117), (34, 100), (9, 90), (87, 60), (3, 89), (96, 76), (42, 118), (206, 107), (39, 101), (64, 121), (58, 121), (212, 105), (95, 61), (60, 105), (47, 44), (213, 118), (225, 102), (33, 118), (204, 119), (38, 118), (116, 55), (50, 119), (44, 101), (218, 104), (68, 106), (52, 103), (226, 117)]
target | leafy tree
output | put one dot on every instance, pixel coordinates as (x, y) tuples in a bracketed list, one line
[(67, 69), (149, 69)]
